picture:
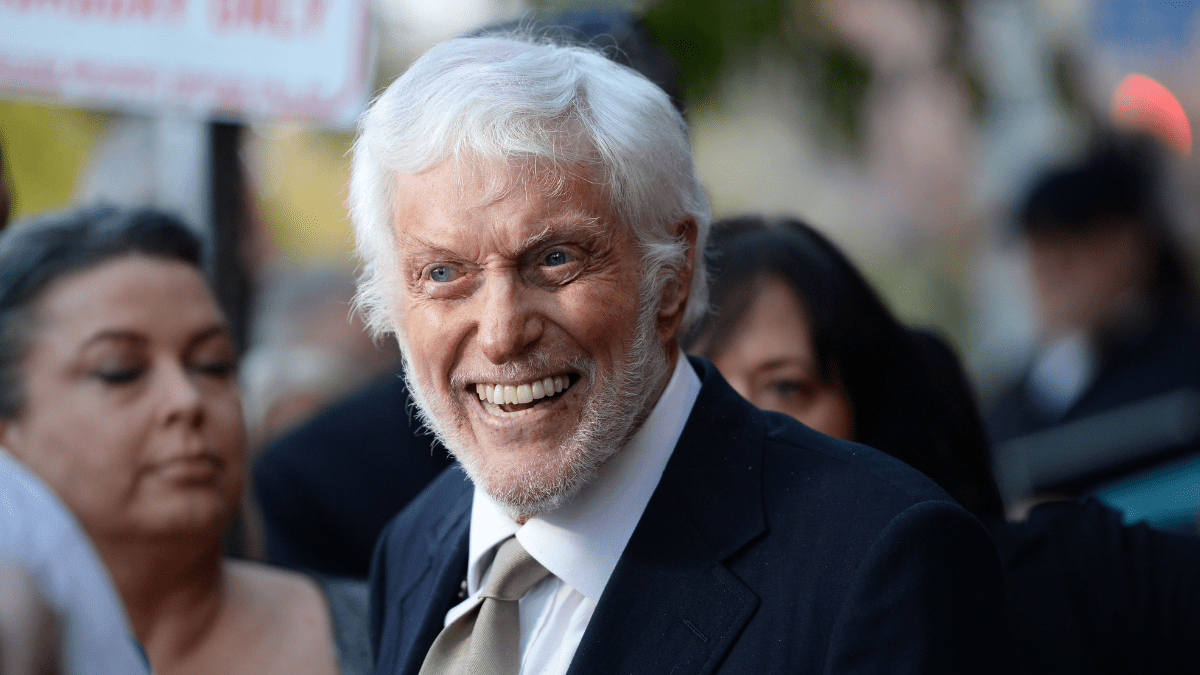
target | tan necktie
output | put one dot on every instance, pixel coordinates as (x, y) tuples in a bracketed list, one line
[(487, 639)]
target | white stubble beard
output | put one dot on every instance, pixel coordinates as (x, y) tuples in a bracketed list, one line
[(609, 418)]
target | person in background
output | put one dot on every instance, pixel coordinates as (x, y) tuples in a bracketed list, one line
[(1116, 304), (60, 608), (30, 628), (118, 388), (796, 328), (326, 489)]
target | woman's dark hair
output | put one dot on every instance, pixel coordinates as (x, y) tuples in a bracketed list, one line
[(909, 395), (38, 251)]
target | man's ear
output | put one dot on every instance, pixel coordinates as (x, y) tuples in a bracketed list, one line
[(675, 294)]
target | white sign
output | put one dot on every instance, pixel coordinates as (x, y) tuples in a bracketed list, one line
[(305, 59)]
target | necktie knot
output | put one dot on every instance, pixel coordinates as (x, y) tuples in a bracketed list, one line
[(513, 573), (487, 640)]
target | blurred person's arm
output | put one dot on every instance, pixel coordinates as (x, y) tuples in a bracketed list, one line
[(30, 631)]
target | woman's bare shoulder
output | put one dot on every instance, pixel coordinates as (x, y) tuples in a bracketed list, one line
[(281, 618)]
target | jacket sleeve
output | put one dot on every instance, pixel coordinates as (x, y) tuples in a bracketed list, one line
[(927, 598)]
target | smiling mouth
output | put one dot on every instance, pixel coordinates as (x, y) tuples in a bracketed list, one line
[(515, 400)]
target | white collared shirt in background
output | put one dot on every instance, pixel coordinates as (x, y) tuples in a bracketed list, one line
[(581, 541)]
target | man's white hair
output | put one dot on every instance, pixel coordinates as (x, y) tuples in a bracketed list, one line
[(510, 101)]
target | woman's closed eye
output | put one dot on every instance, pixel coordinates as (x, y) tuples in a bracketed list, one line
[(790, 387), (214, 356), (119, 375), (221, 368)]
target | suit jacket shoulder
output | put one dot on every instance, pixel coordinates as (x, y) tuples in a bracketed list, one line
[(418, 565), (768, 547)]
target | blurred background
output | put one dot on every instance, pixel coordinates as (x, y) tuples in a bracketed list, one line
[(910, 131)]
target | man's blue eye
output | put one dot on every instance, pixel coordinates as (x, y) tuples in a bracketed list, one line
[(556, 258), (441, 274)]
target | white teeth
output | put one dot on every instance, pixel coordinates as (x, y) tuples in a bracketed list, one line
[(497, 411), (500, 394)]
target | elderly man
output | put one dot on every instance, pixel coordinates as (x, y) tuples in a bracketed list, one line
[(531, 220)]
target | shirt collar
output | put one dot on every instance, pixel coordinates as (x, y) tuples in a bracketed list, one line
[(581, 541)]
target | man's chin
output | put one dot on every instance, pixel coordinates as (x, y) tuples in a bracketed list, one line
[(527, 489)]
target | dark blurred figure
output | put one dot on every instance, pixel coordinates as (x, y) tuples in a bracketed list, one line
[(327, 488), (1121, 341), (796, 328)]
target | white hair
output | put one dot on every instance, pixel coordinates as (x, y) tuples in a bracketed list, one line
[(500, 101)]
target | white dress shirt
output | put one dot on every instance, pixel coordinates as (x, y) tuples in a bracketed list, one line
[(581, 541), (39, 534)]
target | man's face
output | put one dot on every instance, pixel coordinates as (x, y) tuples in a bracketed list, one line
[(502, 303)]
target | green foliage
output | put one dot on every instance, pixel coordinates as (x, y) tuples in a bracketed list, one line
[(707, 36), (711, 37), (841, 88)]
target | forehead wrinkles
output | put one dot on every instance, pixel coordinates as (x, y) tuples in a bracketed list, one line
[(560, 195), (488, 181)]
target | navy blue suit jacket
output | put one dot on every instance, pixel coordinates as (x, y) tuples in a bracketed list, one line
[(766, 548)]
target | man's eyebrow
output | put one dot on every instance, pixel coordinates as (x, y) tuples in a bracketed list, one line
[(568, 224), (426, 248)]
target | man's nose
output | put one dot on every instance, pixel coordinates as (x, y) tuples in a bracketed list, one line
[(509, 323)]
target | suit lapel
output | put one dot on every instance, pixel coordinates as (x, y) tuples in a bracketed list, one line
[(671, 605), (433, 593)]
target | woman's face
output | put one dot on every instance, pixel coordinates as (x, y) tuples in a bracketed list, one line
[(770, 360), (132, 412)]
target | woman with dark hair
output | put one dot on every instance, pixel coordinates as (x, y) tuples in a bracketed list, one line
[(118, 388), (837, 359), (795, 328)]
